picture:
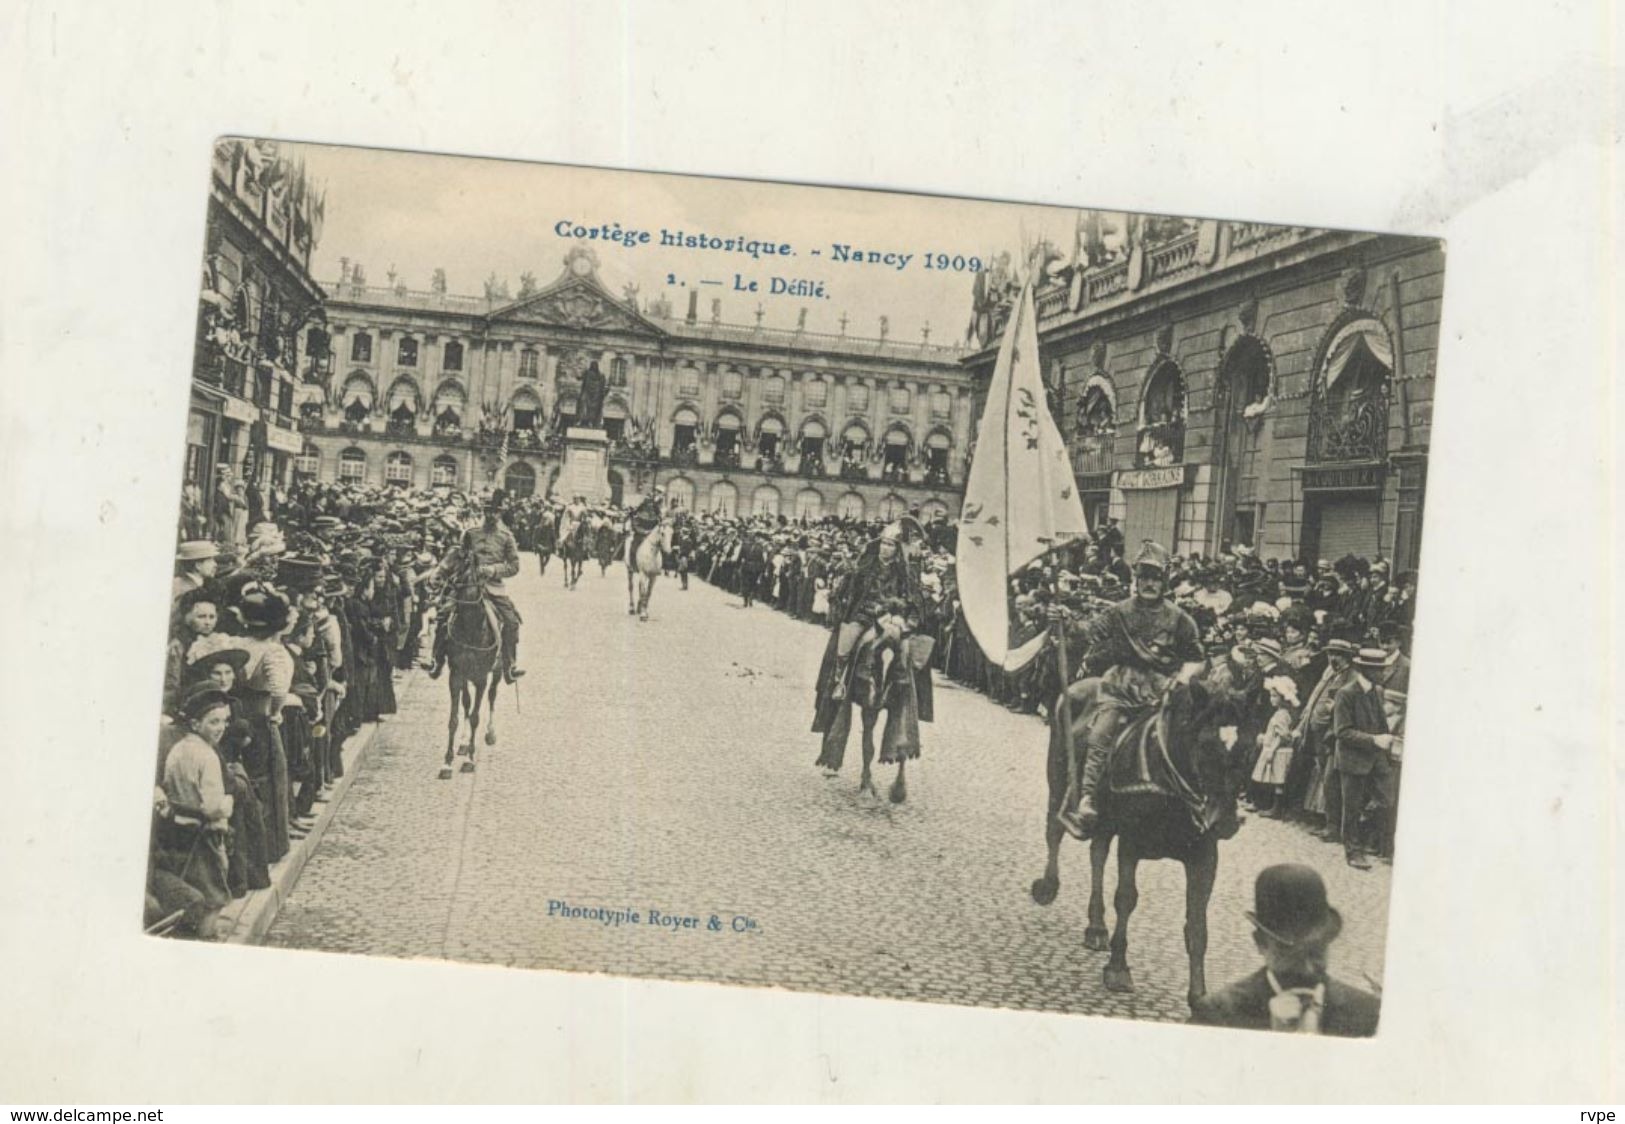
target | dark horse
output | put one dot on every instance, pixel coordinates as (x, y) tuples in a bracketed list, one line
[(573, 550), (1169, 793), (473, 642)]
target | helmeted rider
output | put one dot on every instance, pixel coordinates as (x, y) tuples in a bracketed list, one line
[(1137, 646), (645, 518), (490, 547)]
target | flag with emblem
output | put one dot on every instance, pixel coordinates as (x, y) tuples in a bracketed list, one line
[(1021, 500)]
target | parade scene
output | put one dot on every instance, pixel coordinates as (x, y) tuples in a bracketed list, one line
[(1060, 663)]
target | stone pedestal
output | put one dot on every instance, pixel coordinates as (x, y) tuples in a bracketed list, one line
[(586, 465)]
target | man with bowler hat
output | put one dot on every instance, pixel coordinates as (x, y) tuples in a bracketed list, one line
[(1360, 735), (1293, 928)]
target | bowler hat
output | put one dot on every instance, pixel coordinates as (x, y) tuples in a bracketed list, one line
[(1289, 904)]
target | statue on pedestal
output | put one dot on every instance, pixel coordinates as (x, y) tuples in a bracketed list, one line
[(590, 398)]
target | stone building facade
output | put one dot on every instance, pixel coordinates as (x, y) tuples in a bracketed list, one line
[(427, 388), (1248, 384), (255, 302)]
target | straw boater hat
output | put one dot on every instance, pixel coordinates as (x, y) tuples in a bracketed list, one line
[(196, 550), (1371, 658), (1340, 648)]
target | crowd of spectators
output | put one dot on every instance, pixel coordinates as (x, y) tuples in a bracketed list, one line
[(1296, 625), (284, 637)]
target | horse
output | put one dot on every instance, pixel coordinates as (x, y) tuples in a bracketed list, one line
[(646, 566), (605, 541), (473, 645), (573, 550), (1169, 793), (900, 695)]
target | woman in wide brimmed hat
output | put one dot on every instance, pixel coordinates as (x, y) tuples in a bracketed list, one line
[(194, 810)]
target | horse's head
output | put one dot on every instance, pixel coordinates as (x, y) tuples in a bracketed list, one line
[(1202, 729)]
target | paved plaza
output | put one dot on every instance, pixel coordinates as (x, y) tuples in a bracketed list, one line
[(666, 768)]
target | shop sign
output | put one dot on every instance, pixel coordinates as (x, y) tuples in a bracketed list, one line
[(284, 440), (1342, 478), (238, 410), (1145, 479)]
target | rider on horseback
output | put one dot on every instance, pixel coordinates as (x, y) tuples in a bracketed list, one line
[(492, 550), (1137, 647), (645, 518)]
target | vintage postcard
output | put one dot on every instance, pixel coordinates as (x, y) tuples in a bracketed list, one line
[(834, 590)]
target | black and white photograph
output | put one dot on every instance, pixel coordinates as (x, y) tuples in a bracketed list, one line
[(849, 554), (830, 590)]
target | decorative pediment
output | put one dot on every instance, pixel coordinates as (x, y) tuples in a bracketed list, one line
[(578, 303)]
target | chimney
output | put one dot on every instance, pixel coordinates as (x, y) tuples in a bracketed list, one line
[(693, 306)]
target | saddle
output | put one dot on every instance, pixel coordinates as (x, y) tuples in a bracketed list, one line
[(1139, 764)]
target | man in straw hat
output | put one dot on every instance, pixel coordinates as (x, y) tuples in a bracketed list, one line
[(1293, 928), (1136, 646), (1360, 734)]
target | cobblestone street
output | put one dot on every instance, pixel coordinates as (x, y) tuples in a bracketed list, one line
[(667, 766)]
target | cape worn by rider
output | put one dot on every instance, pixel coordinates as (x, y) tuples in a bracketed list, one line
[(491, 548)]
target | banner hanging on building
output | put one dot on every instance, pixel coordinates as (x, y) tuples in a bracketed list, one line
[(1020, 498)]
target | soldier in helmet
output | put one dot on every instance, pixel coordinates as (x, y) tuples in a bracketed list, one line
[(1137, 646)]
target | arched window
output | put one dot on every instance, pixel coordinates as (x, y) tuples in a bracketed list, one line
[(938, 445), (452, 358), (685, 431), (1095, 429), (809, 504), (817, 394), (931, 509), (1162, 417), (850, 506), (398, 469), (894, 453), (407, 355), (449, 401), (524, 410), (1241, 399), (773, 390), (308, 464), (1348, 416), (443, 473), (724, 499), (765, 501), (733, 384), (361, 348), (892, 506), (857, 397), (813, 438), (519, 479), (769, 435), (680, 493), (729, 440), (901, 399), (352, 466)]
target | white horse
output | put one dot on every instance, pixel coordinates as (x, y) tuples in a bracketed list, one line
[(645, 566)]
